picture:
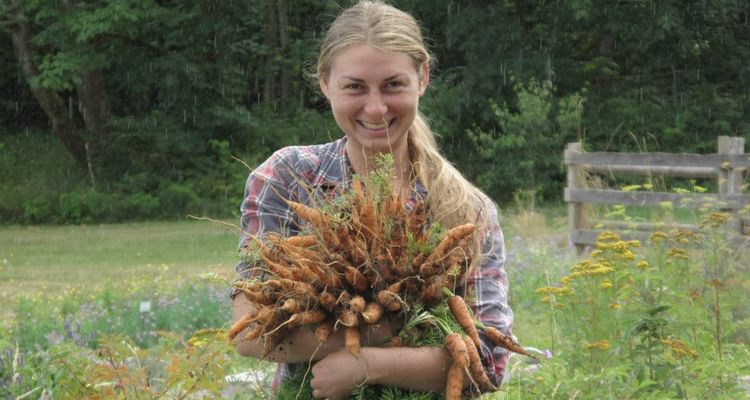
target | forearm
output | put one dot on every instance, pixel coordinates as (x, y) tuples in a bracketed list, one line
[(414, 368)]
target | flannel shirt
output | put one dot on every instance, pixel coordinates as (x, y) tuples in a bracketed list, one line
[(309, 174)]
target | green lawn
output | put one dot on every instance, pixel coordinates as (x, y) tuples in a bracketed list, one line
[(52, 258)]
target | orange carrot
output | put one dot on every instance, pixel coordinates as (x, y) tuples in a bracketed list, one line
[(475, 367), (388, 299), (372, 313), (309, 214), (500, 339), (328, 301), (357, 304), (240, 325), (415, 221), (461, 312), (293, 306), (302, 240), (356, 280), (449, 241), (254, 332), (295, 288), (348, 318), (308, 317), (456, 349), (277, 269), (352, 340), (323, 331)]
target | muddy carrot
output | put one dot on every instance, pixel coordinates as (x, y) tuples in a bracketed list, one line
[(500, 339), (348, 318), (352, 341), (328, 301), (308, 317), (309, 214), (357, 304), (388, 299), (356, 280), (456, 349), (323, 331), (372, 313), (475, 367), (461, 312), (302, 240), (240, 325)]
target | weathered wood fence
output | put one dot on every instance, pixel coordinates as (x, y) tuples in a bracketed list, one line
[(728, 166)]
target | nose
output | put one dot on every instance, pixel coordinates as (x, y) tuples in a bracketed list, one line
[(375, 106)]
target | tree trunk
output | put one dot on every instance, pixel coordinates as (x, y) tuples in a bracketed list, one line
[(269, 86), (94, 105), (286, 75), (52, 104)]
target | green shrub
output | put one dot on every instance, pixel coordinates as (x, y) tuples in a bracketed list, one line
[(39, 210)]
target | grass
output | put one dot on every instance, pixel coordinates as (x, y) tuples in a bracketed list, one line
[(36, 259)]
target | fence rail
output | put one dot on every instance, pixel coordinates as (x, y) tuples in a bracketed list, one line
[(728, 166)]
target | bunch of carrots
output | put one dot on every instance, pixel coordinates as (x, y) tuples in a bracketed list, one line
[(368, 260)]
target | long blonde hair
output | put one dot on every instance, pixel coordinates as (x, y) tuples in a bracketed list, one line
[(453, 200)]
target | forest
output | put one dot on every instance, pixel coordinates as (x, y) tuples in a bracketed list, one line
[(117, 110)]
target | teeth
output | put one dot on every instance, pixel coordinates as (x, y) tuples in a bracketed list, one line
[(370, 125)]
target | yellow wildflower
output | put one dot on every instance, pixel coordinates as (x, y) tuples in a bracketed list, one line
[(658, 237), (630, 188), (560, 291), (678, 348), (676, 252), (596, 253), (648, 186), (606, 284), (666, 205), (598, 345), (608, 236), (643, 264), (715, 220), (546, 299)]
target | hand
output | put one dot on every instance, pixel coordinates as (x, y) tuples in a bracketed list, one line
[(336, 375)]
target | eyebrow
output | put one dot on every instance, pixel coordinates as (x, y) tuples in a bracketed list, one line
[(358, 80)]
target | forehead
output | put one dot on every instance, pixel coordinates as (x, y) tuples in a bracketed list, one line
[(370, 63)]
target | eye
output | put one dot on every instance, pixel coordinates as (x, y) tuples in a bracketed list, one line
[(353, 86), (394, 84)]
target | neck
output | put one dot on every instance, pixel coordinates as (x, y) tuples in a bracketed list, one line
[(363, 163)]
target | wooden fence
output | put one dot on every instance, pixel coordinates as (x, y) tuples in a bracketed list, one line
[(727, 166)]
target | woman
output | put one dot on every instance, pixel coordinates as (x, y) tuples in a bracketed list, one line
[(373, 68)]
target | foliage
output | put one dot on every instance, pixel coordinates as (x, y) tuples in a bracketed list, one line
[(651, 323), (528, 139), (179, 76)]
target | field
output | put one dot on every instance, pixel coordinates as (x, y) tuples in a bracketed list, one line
[(629, 320)]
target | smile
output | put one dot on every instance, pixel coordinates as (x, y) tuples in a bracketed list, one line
[(379, 125)]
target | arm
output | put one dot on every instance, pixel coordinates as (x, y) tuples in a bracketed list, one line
[(414, 368)]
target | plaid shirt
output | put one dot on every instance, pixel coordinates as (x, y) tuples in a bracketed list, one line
[(309, 174)]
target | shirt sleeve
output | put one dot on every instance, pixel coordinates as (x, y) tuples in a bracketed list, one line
[(487, 288), (264, 207)]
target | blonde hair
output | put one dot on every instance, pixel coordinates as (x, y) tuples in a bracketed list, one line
[(453, 200)]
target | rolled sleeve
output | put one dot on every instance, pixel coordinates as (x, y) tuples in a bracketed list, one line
[(488, 286)]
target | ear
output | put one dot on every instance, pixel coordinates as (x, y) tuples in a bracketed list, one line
[(323, 87), (424, 78)]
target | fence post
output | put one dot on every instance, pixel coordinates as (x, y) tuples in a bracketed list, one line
[(575, 209), (730, 178)]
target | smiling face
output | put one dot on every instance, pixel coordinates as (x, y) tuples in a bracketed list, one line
[(374, 97)]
